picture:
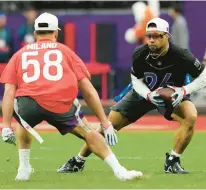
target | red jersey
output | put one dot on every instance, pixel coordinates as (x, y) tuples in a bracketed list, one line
[(48, 72)]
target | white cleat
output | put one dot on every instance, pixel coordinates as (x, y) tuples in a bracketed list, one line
[(124, 174), (24, 174)]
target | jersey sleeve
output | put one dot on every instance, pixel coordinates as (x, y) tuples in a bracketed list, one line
[(136, 69), (193, 65), (9, 74)]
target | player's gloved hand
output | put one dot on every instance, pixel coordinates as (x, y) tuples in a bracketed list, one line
[(110, 134), (8, 135), (178, 95), (155, 98)]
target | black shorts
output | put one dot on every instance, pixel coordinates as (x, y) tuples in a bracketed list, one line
[(133, 107), (31, 112)]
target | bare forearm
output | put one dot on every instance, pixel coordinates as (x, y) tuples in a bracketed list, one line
[(7, 108), (93, 101)]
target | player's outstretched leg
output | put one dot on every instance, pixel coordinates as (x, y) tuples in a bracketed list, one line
[(186, 115), (24, 145), (98, 146), (77, 163)]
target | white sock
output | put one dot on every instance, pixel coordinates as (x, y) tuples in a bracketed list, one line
[(173, 154), (24, 155), (80, 158), (113, 163)]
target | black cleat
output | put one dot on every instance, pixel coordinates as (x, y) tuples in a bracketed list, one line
[(174, 166), (71, 166)]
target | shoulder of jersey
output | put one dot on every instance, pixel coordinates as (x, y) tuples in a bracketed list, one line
[(63, 46), (178, 50), (140, 49), (21, 50)]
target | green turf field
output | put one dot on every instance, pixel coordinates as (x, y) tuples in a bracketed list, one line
[(144, 151)]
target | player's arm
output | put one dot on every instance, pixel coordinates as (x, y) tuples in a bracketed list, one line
[(88, 91), (7, 110), (137, 74), (8, 104), (138, 82), (91, 96), (197, 70), (9, 78), (198, 83), (139, 86)]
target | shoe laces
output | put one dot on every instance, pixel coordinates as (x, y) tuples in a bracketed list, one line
[(177, 162), (176, 159), (73, 162), (177, 165)]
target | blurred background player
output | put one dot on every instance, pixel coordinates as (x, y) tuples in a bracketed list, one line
[(26, 30), (41, 83), (157, 64), (6, 40), (142, 14), (179, 28)]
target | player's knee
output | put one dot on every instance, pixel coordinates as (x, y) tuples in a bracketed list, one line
[(92, 136), (118, 120), (190, 121)]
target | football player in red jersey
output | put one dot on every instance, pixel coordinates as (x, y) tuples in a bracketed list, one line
[(41, 83)]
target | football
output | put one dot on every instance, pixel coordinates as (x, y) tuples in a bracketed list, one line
[(165, 94)]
